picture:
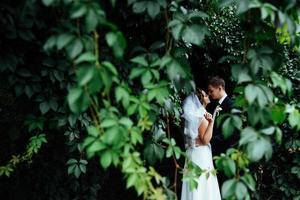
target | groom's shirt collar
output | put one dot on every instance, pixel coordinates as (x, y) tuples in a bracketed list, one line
[(222, 99)]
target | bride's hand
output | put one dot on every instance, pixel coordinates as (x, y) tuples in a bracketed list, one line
[(208, 117)]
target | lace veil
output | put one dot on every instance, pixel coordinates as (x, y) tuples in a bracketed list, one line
[(193, 113)]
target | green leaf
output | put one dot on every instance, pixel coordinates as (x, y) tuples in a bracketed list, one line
[(152, 94), (113, 136), (106, 159), (278, 135), (122, 94), (278, 114), (135, 72), (153, 9), (193, 184), (174, 69), (44, 107), (115, 158), (63, 40), (85, 75), (251, 93), (75, 48), (162, 3), (139, 7), (24, 72), (294, 119), (28, 91), (243, 6), (194, 34), (111, 38), (82, 168), (248, 135), (227, 128), (108, 123), (165, 61), (228, 188), (96, 146), (240, 190), (79, 11), (157, 45), (141, 60), (237, 121), (240, 73), (78, 100), (229, 168), (146, 77), (267, 95), (59, 75), (47, 2), (86, 57), (153, 152), (249, 181), (50, 43), (77, 171), (132, 109), (113, 2), (176, 28), (72, 161), (155, 73), (140, 188), (131, 180), (91, 20), (224, 3), (256, 150), (126, 122), (53, 104), (110, 67), (117, 42), (268, 131), (71, 169), (105, 77), (198, 14), (93, 131), (169, 152), (177, 152), (72, 120), (135, 136)]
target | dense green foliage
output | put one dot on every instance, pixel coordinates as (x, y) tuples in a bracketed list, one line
[(92, 87)]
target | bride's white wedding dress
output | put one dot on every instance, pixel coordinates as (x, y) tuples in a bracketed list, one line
[(208, 189)]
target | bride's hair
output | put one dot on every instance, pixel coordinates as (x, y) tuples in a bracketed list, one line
[(200, 95)]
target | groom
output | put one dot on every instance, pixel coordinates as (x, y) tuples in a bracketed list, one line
[(216, 90)]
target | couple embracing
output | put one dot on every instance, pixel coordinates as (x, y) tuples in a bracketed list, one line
[(203, 138)]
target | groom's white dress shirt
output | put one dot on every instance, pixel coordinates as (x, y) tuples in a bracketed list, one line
[(222, 99)]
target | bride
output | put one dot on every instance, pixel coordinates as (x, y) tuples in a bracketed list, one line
[(198, 133)]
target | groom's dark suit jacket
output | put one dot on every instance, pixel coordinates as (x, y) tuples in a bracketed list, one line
[(218, 142)]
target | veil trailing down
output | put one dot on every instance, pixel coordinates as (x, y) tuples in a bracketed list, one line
[(198, 151), (193, 113)]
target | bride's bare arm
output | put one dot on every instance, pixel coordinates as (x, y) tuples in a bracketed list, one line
[(205, 130)]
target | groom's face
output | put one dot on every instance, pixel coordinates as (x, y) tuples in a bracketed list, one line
[(214, 92)]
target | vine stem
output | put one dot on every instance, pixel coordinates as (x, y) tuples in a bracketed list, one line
[(177, 166), (168, 49), (168, 38), (96, 38)]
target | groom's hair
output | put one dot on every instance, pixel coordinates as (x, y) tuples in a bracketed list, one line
[(217, 81)]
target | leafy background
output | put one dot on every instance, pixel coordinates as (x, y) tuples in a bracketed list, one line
[(91, 94)]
